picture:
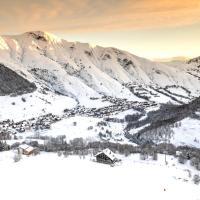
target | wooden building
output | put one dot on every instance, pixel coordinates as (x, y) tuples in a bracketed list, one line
[(26, 149), (106, 156)]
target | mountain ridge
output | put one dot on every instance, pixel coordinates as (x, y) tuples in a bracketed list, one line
[(74, 79), (80, 59)]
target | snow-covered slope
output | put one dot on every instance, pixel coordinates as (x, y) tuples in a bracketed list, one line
[(187, 133), (56, 177), (88, 81), (79, 70)]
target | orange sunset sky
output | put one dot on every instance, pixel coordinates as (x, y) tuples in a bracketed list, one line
[(148, 28)]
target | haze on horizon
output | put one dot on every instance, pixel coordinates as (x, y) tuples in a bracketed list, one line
[(148, 28)]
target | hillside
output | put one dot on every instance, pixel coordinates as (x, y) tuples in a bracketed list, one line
[(12, 83), (77, 69), (57, 83)]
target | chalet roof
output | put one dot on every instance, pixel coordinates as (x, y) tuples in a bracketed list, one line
[(23, 146), (26, 147), (108, 153)]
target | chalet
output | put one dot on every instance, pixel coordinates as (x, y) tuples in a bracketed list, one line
[(26, 149), (178, 153), (106, 156)]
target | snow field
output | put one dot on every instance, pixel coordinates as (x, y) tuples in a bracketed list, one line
[(48, 176)]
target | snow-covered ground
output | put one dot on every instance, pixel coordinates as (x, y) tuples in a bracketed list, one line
[(68, 74), (50, 177), (91, 129), (74, 127), (187, 134), (79, 127), (33, 105)]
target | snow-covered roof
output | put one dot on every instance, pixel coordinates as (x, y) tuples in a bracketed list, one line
[(108, 153), (26, 147), (29, 149)]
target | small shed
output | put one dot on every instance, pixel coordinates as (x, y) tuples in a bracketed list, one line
[(106, 156), (26, 149)]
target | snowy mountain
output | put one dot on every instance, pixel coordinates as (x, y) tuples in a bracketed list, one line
[(42, 74), (77, 69)]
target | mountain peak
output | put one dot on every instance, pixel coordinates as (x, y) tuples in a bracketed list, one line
[(43, 36)]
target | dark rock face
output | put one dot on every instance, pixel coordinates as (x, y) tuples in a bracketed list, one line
[(12, 83), (38, 35), (194, 60)]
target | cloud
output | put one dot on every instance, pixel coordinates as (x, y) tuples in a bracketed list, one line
[(95, 15)]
